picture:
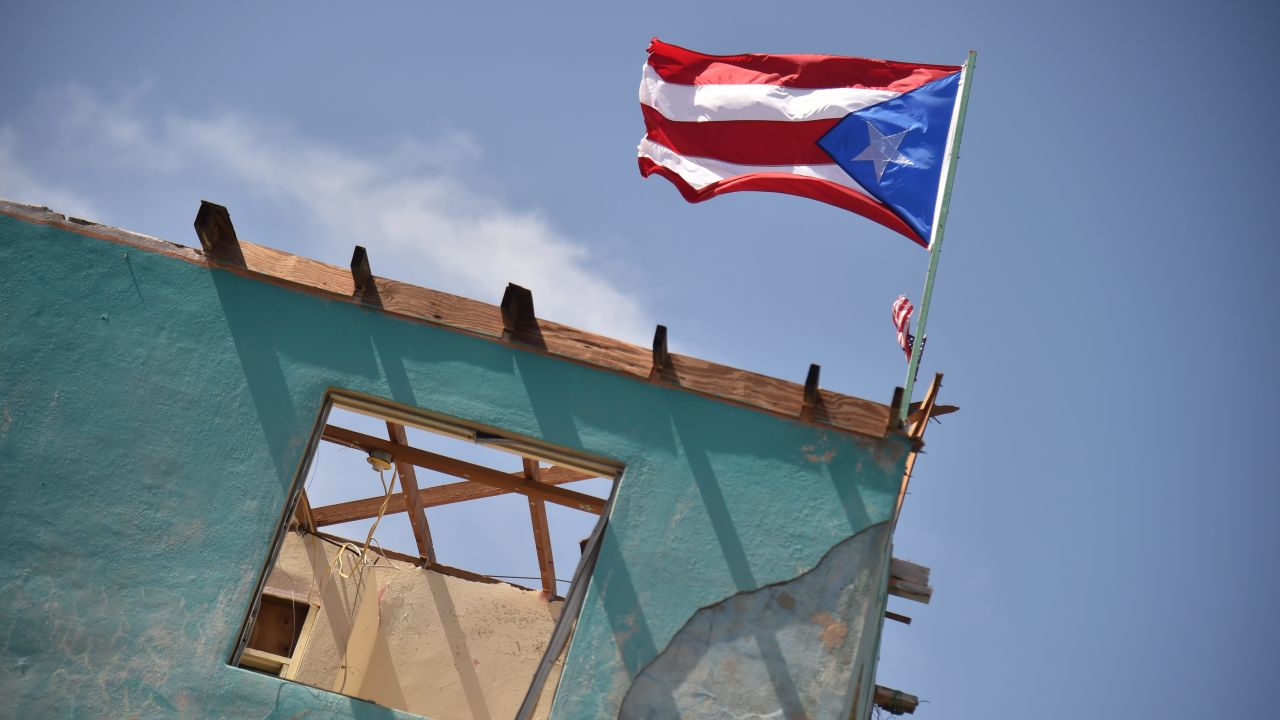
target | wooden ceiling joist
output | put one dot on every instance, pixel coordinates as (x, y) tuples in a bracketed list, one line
[(465, 470), (412, 496), (433, 497), (541, 533)]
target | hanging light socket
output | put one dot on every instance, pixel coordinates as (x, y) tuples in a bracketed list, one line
[(380, 459)]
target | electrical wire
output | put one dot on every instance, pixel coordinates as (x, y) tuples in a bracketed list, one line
[(338, 564)]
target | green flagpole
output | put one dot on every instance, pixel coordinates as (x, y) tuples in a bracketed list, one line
[(935, 241)]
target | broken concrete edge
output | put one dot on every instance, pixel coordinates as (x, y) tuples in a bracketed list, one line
[(881, 597)]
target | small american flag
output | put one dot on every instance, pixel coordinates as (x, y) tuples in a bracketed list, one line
[(902, 310)]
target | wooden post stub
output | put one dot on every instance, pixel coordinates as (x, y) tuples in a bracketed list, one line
[(214, 228), (517, 310), (360, 271), (895, 407), (809, 402), (811, 387), (661, 358)]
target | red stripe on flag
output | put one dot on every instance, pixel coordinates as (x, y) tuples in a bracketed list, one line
[(745, 142), (787, 184), (679, 65)]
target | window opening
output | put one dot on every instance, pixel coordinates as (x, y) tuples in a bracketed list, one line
[(426, 564)]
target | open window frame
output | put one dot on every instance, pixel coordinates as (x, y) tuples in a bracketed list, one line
[(295, 509)]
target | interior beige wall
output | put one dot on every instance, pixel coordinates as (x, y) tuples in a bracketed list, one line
[(433, 644)]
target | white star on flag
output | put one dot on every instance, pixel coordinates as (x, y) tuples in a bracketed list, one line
[(883, 149)]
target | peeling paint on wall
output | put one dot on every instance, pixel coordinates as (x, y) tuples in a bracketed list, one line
[(785, 651)]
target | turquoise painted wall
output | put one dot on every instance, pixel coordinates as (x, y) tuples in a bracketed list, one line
[(154, 413)]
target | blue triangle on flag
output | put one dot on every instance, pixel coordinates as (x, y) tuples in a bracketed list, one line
[(894, 149)]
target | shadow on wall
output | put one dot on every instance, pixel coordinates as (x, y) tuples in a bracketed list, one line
[(267, 323), (472, 690)]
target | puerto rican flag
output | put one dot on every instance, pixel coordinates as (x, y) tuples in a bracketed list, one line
[(868, 136)]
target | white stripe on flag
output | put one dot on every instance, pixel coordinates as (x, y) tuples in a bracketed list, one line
[(701, 172), (704, 103)]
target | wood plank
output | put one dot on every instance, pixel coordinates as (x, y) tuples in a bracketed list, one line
[(890, 615), (303, 512), (918, 422), (895, 702), (465, 470), (909, 571), (910, 591), (541, 533), (412, 496), (906, 482), (915, 430), (433, 497), (772, 395)]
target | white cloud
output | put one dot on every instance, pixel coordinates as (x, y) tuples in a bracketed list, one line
[(18, 183), (406, 204)]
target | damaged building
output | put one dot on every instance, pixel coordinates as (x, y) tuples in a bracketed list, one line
[(163, 412)]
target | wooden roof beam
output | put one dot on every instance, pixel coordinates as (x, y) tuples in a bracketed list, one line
[(541, 532), (433, 497), (465, 470), (412, 496), (438, 309)]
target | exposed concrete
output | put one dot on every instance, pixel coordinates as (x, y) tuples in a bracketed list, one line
[(415, 639), (785, 651)]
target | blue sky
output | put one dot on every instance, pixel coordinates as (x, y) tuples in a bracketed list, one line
[(1099, 516)]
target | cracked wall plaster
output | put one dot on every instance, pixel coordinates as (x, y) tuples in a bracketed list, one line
[(786, 651)]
